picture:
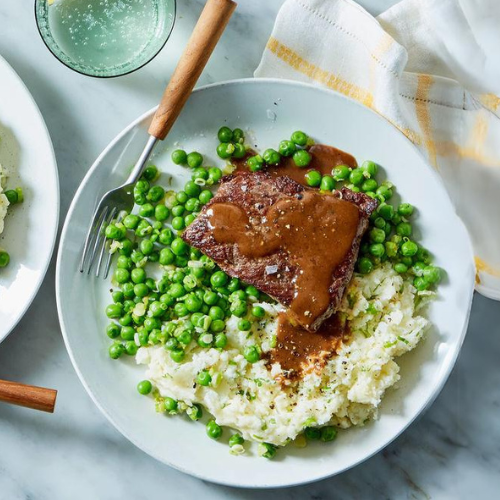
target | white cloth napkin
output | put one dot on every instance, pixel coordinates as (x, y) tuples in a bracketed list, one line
[(432, 69)]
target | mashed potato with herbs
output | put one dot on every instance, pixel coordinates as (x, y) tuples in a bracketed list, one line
[(382, 309)]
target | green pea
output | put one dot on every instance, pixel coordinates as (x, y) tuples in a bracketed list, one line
[(143, 229), (193, 205), (244, 325), (113, 330), (138, 275), (203, 378), (251, 291), (178, 211), (127, 319), (126, 247), (122, 275), (155, 194), (210, 298), (181, 310), (225, 150), (356, 177), (377, 249), (313, 178), (405, 209), (112, 232), (432, 274), (139, 198), (161, 212), (377, 235), (365, 265), (167, 257), (131, 348), (200, 173), (224, 134), (216, 312), (287, 148), (179, 247), (386, 211), (171, 344), (251, 354), (194, 159), (114, 311), (239, 151), (12, 196), (179, 157), (217, 325), (194, 412), (192, 189), (385, 192), (369, 185), (407, 261), (220, 340), (299, 138), (131, 221), (235, 440), (238, 135), (258, 311), (193, 303), (233, 285), (177, 355), (255, 163), (171, 405), (178, 223), (400, 268), (214, 431), (341, 173), (423, 255), (239, 308), (142, 186), (218, 279), (141, 290), (404, 229), (146, 246), (116, 350), (166, 236), (420, 283), (205, 196), (327, 183), (328, 433), (178, 276), (185, 337), (370, 167), (118, 296), (302, 158), (409, 248), (214, 174), (271, 156)]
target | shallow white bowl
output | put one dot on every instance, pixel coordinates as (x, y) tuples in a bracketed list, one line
[(31, 227), (271, 110)]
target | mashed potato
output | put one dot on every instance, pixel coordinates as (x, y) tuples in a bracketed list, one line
[(381, 308)]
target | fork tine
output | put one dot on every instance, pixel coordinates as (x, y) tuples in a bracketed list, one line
[(104, 242), (110, 255), (91, 233), (98, 230)]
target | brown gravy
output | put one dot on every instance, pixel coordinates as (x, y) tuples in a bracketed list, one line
[(315, 230), (299, 350), (324, 159)]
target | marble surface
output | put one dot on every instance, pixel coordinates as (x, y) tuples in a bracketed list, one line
[(451, 452)]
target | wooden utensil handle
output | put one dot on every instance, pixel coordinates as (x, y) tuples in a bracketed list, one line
[(206, 34), (37, 398)]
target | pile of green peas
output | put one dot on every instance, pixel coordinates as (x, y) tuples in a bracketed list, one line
[(14, 196)]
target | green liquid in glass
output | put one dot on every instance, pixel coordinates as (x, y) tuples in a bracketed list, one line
[(107, 37)]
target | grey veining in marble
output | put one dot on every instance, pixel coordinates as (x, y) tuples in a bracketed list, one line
[(452, 452)]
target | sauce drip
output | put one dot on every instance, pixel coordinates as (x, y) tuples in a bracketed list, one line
[(323, 159), (315, 230), (298, 350)]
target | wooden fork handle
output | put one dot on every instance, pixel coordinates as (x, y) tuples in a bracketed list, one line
[(206, 34), (37, 398)]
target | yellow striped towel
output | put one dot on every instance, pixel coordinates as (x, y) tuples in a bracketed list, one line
[(424, 66)]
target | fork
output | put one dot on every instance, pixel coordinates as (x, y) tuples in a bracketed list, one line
[(206, 34)]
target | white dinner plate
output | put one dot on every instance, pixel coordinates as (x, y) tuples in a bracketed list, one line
[(270, 110), (30, 227)]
